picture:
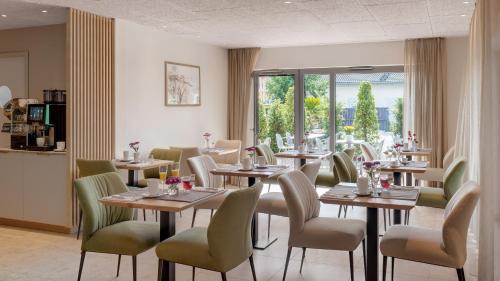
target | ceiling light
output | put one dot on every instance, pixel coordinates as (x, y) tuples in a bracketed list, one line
[(44, 11), (466, 2), (4, 16), (288, 2), (463, 15)]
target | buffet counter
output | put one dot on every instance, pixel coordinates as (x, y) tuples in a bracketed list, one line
[(34, 190)]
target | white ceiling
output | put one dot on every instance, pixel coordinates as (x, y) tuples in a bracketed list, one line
[(17, 14), (273, 23)]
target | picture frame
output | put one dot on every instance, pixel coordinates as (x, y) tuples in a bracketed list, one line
[(182, 84)]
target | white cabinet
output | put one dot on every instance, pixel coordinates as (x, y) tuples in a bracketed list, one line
[(45, 194), (11, 185), (33, 187)]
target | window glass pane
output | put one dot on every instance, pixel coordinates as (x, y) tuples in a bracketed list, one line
[(317, 110)]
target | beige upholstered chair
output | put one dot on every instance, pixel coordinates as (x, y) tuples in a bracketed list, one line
[(369, 152), (201, 167), (436, 174), (273, 203), (230, 158), (266, 151), (307, 230), (445, 247), (187, 152)]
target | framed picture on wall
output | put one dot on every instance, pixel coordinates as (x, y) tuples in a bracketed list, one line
[(182, 84)]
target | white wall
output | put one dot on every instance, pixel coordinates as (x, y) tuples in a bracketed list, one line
[(375, 54), (140, 88)]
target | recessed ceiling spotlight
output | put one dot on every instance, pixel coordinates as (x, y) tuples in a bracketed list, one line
[(466, 2), (463, 15), (44, 11), (4, 16), (288, 2)]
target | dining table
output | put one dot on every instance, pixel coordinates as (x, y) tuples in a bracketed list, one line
[(303, 156), (253, 175), (342, 194), (219, 151), (133, 168), (349, 142), (168, 206), (409, 168)]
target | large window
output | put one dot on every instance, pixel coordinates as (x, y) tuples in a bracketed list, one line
[(367, 105)]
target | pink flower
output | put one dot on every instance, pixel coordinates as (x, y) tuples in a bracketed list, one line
[(173, 180), (134, 146), (250, 149)]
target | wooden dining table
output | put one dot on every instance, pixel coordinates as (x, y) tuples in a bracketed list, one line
[(303, 156), (253, 175), (372, 204), (219, 151), (134, 168), (167, 211), (409, 169)]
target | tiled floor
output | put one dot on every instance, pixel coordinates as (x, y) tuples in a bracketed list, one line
[(33, 255)]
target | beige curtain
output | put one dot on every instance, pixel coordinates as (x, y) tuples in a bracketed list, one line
[(241, 65), (487, 33), (425, 94)]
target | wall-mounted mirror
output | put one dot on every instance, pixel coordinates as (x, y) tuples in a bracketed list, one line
[(5, 95)]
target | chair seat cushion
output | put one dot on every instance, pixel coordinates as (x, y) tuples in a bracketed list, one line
[(432, 197), (431, 174), (126, 238), (189, 247), (213, 203), (330, 234), (272, 203), (416, 244), (326, 178)]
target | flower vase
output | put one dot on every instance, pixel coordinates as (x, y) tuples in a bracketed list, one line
[(207, 143), (413, 146), (137, 156), (349, 138), (172, 190)]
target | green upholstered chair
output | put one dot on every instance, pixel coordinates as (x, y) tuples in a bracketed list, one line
[(110, 229), (160, 154), (89, 168), (225, 244), (346, 170), (437, 197), (331, 178), (266, 151)]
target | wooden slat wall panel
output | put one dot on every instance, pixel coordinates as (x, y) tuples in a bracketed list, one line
[(91, 52)]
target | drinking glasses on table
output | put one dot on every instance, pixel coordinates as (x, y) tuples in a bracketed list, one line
[(175, 169), (163, 174), (186, 183), (385, 181)]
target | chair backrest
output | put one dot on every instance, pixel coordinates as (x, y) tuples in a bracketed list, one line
[(187, 152), (94, 167), (162, 154), (289, 139), (279, 141), (229, 231), (201, 167), (311, 170), (265, 150), (345, 169), (301, 199), (458, 214), (97, 215), (448, 157), (368, 151), (379, 147), (267, 141), (350, 151), (229, 158), (453, 176)]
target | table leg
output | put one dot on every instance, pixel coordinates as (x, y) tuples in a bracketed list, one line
[(397, 216), (167, 229), (302, 162), (409, 178), (372, 244), (262, 245), (133, 178)]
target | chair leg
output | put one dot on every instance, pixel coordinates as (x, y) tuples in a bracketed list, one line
[(211, 213), (80, 218), (392, 268), (364, 255), (389, 214), (134, 268), (194, 272), (302, 260), (287, 260), (384, 268), (82, 260), (253, 268), (351, 264), (194, 216), (268, 226), (385, 221), (460, 274), (223, 275), (345, 211), (269, 188), (118, 267), (156, 215), (144, 214), (340, 211), (160, 265)]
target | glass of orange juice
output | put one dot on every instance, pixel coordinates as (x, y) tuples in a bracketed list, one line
[(175, 169), (163, 174)]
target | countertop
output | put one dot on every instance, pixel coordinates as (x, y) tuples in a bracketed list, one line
[(10, 150)]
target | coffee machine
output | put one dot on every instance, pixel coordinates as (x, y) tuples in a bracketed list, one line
[(47, 125)]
